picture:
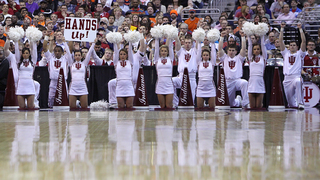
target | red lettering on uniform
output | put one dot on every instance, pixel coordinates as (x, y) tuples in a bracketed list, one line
[(26, 63), (78, 66), (164, 61), (257, 59), (68, 23), (307, 96), (123, 63), (57, 64), (232, 64), (205, 64), (292, 60), (187, 57)]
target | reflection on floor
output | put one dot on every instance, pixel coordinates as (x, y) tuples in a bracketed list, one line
[(160, 145)]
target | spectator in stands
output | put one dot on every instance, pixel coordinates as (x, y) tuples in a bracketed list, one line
[(169, 8), (71, 8), (62, 13), (158, 6), (14, 6), (265, 20), (123, 7), (184, 29), (5, 10), (287, 15), (294, 7), (239, 8), (2, 37), (14, 20), (240, 24), (113, 6), (270, 42), (276, 8), (118, 17), (256, 19), (229, 30), (243, 13), (151, 9), (312, 3), (311, 59), (192, 21), (261, 11), (99, 9), (175, 16), (221, 18), (224, 24), (264, 5), (135, 8), (165, 20), (209, 21), (177, 6), (31, 6), (43, 9), (98, 49)]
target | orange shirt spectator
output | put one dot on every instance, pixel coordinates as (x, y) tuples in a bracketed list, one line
[(192, 21)]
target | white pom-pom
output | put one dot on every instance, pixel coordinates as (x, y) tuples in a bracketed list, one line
[(213, 35), (248, 28), (16, 33), (170, 31), (114, 37), (199, 34), (261, 29), (101, 105), (156, 31), (132, 36), (33, 34)]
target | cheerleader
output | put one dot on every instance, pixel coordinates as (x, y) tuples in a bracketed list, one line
[(257, 55), (78, 86), (123, 62), (163, 57), (26, 89), (206, 87)]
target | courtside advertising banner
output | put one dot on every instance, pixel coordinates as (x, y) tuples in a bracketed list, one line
[(80, 29)]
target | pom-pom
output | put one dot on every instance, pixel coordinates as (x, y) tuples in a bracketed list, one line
[(101, 105), (199, 34), (170, 31), (248, 28), (132, 36), (33, 34), (156, 31), (16, 33), (213, 35), (261, 29), (114, 37)]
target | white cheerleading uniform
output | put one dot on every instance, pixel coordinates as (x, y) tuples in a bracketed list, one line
[(233, 73), (206, 87), (54, 66), (292, 84), (123, 68), (78, 84), (164, 70), (256, 82), (186, 59), (25, 83)]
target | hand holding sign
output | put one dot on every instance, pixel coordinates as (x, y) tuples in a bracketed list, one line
[(80, 29)]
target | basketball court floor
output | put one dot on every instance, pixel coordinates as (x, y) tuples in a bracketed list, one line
[(183, 144)]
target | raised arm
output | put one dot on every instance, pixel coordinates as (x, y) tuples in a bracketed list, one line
[(199, 50), (16, 50), (87, 58), (51, 43), (213, 53), (250, 48), (282, 45), (264, 48), (170, 45), (115, 54), (243, 44), (303, 38), (45, 43), (143, 46), (156, 50), (130, 53), (6, 47), (34, 52), (220, 49), (178, 44)]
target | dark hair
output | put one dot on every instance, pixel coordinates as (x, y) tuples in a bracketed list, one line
[(123, 50), (211, 20), (98, 43), (59, 47), (78, 51), (21, 58), (206, 50), (153, 6), (294, 41), (254, 56), (232, 46), (311, 40)]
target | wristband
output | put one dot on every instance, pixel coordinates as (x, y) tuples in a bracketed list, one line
[(46, 38), (243, 39)]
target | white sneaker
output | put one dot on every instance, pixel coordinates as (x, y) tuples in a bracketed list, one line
[(246, 106), (239, 99), (301, 106), (113, 106), (78, 104)]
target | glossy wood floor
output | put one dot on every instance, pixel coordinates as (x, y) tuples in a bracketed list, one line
[(160, 145)]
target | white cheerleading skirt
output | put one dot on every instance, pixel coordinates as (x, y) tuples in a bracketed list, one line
[(124, 88), (25, 87), (164, 85), (256, 85), (206, 89), (78, 88)]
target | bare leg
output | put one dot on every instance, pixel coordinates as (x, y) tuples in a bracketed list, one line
[(212, 102), (169, 100), (162, 100), (120, 102), (72, 101), (30, 101), (129, 102), (200, 102), (21, 101), (259, 100), (252, 100), (84, 101)]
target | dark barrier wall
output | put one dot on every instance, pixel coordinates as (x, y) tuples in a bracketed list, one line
[(100, 76)]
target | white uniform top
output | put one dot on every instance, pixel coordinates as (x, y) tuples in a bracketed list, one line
[(292, 63), (26, 70), (232, 66), (258, 64), (187, 59), (13, 64), (123, 68), (55, 64), (163, 65), (137, 58), (206, 68), (79, 70)]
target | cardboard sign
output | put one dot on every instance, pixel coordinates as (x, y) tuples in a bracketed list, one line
[(80, 29)]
